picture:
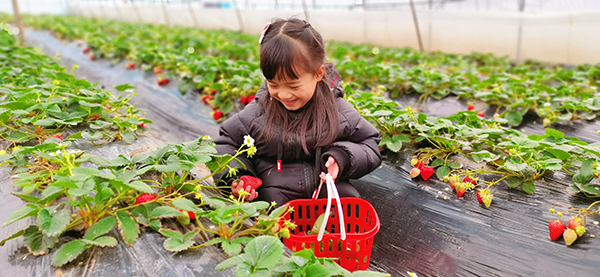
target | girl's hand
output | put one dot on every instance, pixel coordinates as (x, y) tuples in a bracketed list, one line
[(238, 185), (332, 168)]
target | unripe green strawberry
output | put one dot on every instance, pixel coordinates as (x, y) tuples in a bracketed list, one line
[(570, 236), (580, 230), (415, 172), (414, 161), (284, 233), (557, 228)]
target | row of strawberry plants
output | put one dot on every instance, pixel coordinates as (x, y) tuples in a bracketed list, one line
[(505, 155), (552, 92), (69, 190)]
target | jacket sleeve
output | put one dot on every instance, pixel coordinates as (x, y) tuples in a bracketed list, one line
[(358, 154), (231, 138)]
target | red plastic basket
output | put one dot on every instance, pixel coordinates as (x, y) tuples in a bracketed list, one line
[(360, 218)]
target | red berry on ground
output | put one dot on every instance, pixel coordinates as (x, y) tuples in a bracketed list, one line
[(143, 198), (85, 50), (575, 221), (251, 181), (460, 189), (244, 100), (206, 98), (557, 228), (570, 236), (143, 125), (426, 172), (470, 108), (217, 114), (415, 172), (479, 197), (480, 114), (92, 57), (469, 180)]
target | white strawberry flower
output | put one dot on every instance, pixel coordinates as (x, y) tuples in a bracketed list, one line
[(248, 141)]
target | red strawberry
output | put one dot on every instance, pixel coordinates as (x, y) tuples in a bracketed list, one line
[(251, 181), (94, 116), (453, 181), (470, 107), (191, 214), (143, 125), (479, 197), (163, 81), (574, 222), (217, 114), (92, 57), (157, 70), (251, 98), (469, 180), (480, 114), (485, 197), (460, 189), (57, 137), (206, 98), (426, 172), (213, 92), (415, 172), (143, 198), (244, 100), (556, 228), (130, 66), (85, 50)]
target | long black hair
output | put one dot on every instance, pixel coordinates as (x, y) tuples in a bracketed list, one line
[(288, 48)]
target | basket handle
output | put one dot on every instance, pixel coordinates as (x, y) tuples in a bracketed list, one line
[(332, 193)]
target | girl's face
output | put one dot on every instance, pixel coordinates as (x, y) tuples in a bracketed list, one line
[(294, 94)]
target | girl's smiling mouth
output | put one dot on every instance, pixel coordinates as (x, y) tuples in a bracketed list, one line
[(289, 103)]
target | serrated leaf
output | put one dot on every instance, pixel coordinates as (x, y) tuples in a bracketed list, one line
[(514, 182), (231, 249), (186, 205), (442, 172), (590, 190), (260, 205), (230, 262), (139, 186), (15, 235), (84, 188), (215, 203), (103, 241), (23, 212), (529, 187), (177, 245), (317, 270), (484, 156), (264, 251), (514, 118), (36, 242), (101, 227), (53, 223), (128, 137), (129, 228), (164, 211), (68, 252), (454, 165), (171, 234)]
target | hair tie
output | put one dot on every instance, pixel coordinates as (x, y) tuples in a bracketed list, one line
[(262, 36)]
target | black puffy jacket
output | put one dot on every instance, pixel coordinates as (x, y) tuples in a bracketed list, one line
[(355, 150)]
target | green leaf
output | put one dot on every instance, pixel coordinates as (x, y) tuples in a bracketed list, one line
[(559, 154), (68, 252), (164, 211), (524, 142), (264, 251), (186, 205), (317, 270), (103, 241), (231, 248), (23, 212), (53, 223), (174, 245), (590, 190), (260, 205), (230, 262), (101, 227), (529, 187), (484, 156), (124, 87), (514, 118), (128, 137), (454, 165), (15, 235), (556, 134), (514, 182), (104, 194), (64, 184), (139, 186), (129, 228), (171, 234), (83, 188), (442, 172), (37, 242)]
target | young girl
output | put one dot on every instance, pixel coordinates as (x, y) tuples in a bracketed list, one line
[(301, 123)]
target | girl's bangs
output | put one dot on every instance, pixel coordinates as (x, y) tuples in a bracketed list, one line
[(283, 58)]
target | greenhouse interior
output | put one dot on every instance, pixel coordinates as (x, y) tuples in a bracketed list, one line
[(442, 138)]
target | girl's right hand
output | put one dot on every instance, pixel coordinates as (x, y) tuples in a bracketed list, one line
[(238, 185)]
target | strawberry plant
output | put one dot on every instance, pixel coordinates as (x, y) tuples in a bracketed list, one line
[(575, 227)]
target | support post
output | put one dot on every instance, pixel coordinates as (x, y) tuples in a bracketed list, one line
[(18, 21), (305, 10), (193, 14), (416, 21), (165, 13), (239, 16)]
